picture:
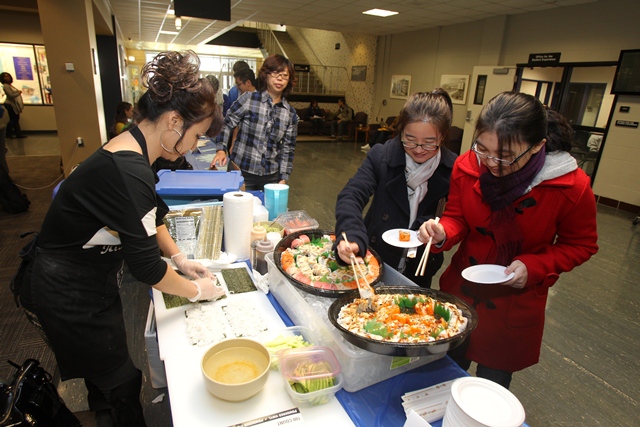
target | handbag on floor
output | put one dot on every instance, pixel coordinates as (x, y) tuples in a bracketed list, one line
[(32, 400), (11, 198), (23, 274)]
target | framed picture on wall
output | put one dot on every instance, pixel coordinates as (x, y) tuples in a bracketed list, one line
[(359, 73), (456, 86), (400, 86)]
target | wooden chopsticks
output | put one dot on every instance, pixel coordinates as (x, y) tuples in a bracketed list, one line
[(423, 261), (366, 291)]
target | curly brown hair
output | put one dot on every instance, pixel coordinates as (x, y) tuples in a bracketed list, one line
[(174, 84)]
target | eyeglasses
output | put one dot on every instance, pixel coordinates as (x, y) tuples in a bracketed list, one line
[(426, 147), (498, 160), (279, 76)]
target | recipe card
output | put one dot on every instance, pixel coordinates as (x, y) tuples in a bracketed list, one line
[(290, 418)]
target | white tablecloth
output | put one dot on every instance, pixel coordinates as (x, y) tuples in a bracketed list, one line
[(192, 405)]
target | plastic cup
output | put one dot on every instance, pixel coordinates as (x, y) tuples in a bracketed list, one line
[(276, 199)]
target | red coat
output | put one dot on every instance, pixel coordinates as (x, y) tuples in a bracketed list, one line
[(559, 233)]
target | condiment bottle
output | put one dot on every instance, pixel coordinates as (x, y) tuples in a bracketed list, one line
[(258, 233), (263, 247)]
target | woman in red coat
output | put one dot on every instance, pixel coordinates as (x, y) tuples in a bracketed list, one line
[(517, 199)]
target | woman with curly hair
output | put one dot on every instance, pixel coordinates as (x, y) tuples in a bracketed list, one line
[(106, 213), (267, 128)]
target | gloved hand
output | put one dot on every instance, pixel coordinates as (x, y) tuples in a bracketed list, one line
[(189, 267), (207, 290)]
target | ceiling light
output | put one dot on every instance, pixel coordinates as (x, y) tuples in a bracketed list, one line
[(132, 58), (380, 12), (178, 23), (171, 33), (171, 12)]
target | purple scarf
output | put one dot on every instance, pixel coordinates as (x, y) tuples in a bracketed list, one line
[(500, 193)]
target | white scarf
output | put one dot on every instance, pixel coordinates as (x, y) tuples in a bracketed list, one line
[(417, 175)]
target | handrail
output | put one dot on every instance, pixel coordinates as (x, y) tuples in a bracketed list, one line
[(301, 34), (271, 37)]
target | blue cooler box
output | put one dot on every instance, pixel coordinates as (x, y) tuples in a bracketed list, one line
[(186, 186)]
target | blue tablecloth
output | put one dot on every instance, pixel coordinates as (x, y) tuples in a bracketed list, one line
[(380, 405)]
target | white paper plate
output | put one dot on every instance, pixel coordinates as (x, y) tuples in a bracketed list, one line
[(487, 403), (392, 237), (486, 274)]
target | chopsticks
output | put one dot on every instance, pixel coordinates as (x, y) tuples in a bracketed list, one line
[(366, 291), (423, 261)]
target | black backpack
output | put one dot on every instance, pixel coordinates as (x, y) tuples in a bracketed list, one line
[(11, 198)]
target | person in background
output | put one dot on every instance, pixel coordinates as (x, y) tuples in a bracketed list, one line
[(381, 135), (343, 118), (215, 83), (245, 80), (315, 115), (519, 200), (124, 114), (267, 128), (407, 176), (234, 92), (106, 213), (14, 105)]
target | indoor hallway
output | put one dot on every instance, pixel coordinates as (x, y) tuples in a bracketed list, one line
[(587, 375)]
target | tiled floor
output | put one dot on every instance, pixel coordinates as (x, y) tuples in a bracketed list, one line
[(588, 372)]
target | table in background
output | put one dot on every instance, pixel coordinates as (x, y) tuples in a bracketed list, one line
[(364, 129)]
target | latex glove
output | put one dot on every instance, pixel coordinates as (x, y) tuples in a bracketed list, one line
[(207, 290), (189, 267)]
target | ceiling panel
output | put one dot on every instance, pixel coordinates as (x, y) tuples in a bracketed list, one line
[(141, 20)]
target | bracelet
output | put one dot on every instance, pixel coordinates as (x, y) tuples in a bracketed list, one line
[(198, 295)]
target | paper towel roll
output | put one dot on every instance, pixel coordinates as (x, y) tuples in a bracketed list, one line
[(237, 208)]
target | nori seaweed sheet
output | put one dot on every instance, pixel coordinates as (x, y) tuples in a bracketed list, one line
[(238, 280), (173, 301)]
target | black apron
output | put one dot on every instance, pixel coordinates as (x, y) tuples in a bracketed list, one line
[(76, 298)]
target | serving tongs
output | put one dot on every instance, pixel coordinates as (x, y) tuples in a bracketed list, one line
[(365, 289)]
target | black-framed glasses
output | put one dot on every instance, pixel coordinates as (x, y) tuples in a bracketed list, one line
[(498, 160), (426, 147), (279, 76)]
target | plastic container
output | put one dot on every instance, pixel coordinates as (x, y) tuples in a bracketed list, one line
[(360, 368), (271, 334), (310, 365), (183, 186), (156, 366), (295, 221)]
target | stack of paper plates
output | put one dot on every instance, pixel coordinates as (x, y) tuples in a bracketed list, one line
[(477, 402)]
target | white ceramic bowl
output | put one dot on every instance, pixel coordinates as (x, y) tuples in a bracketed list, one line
[(235, 369)]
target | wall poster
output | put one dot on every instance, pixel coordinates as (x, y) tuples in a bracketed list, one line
[(359, 73), (456, 86), (400, 86)]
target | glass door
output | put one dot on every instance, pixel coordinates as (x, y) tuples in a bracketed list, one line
[(582, 94)]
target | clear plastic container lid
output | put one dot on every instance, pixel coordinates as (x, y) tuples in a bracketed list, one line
[(308, 363), (296, 220)]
